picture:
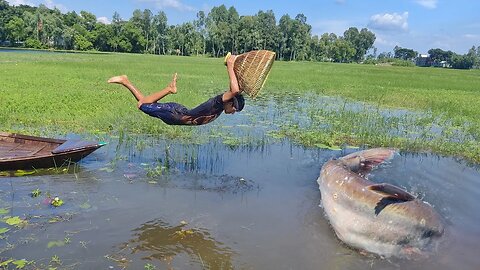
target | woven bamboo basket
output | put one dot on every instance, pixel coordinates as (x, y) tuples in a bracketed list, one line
[(252, 69)]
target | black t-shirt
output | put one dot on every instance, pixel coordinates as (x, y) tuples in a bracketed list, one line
[(176, 114)]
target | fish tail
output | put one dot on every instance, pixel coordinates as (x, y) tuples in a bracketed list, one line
[(366, 160)]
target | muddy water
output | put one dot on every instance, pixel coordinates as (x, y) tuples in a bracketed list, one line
[(211, 206)]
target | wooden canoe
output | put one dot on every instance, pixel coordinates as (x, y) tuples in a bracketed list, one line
[(23, 152)]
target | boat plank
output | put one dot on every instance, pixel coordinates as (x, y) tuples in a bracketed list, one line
[(19, 151)]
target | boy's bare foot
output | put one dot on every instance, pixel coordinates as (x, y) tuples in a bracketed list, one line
[(173, 84), (122, 79)]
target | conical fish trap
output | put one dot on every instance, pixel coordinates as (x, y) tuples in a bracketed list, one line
[(252, 69)]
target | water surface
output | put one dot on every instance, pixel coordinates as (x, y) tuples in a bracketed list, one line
[(154, 201)]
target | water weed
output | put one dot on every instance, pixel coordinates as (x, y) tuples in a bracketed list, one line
[(425, 109)]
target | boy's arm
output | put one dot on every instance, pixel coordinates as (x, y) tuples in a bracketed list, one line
[(234, 89)]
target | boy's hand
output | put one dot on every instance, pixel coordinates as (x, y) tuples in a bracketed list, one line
[(231, 61)]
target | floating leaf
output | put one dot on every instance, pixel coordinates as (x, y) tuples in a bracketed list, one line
[(54, 220), (23, 173), (56, 244), (4, 211), (324, 146), (57, 202), (20, 263), (321, 145), (35, 193), (5, 263), (4, 230), (85, 205), (107, 169), (335, 148), (152, 182), (14, 221)]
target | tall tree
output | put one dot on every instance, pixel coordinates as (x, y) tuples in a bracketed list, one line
[(232, 28), (161, 31), (248, 34), (114, 42), (200, 25), (88, 20), (147, 25), (301, 37), (218, 29), (437, 55), (131, 38), (404, 53), (462, 61), (103, 33), (286, 39), (267, 30), (361, 41), (342, 51), (15, 29)]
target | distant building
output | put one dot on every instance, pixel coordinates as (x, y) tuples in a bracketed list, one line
[(423, 60), (443, 64)]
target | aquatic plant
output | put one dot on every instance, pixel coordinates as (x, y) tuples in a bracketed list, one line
[(35, 193), (445, 106)]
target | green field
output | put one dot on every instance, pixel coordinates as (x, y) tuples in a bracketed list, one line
[(63, 92)]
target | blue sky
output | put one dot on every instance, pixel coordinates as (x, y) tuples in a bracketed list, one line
[(415, 24)]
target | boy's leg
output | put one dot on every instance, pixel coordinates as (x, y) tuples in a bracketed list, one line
[(170, 89), (123, 80)]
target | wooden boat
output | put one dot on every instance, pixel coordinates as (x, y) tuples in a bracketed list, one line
[(23, 152)]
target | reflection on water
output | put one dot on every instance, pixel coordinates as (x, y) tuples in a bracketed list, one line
[(158, 240), (67, 169), (244, 207)]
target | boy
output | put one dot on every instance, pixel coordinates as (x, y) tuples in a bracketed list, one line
[(176, 114)]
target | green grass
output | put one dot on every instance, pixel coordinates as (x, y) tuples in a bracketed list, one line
[(42, 93), (69, 91), (455, 93)]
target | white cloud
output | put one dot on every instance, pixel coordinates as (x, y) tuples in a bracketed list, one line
[(51, 5), (473, 25), (103, 20), (48, 3), (20, 2), (383, 41), (472, 36), (389, 22), (175, 4), (337, 27), (430, 4)]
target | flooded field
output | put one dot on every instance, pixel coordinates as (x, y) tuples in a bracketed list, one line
[(148, 203)]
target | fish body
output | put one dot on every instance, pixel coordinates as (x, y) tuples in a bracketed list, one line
[(379, 218)]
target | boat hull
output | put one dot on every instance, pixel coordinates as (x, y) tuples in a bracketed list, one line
[(23, 152)]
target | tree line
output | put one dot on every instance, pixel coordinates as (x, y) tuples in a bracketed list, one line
[(436, 57), (214, 33)]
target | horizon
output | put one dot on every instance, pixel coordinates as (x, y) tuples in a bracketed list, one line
[(414, 24)]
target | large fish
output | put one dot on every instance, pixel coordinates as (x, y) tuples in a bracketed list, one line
[(378, 218)]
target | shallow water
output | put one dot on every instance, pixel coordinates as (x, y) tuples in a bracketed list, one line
[(153, 201), (7, 50)]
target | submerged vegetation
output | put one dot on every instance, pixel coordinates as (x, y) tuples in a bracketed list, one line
[(315, 104)]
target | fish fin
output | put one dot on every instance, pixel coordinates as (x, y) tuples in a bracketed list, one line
[(391, 191), (386, 201), (391, 194), (364, 161)]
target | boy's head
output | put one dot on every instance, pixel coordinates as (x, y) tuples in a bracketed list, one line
[(236, 104)]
